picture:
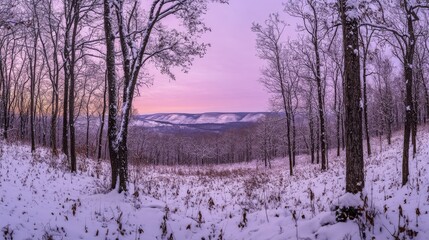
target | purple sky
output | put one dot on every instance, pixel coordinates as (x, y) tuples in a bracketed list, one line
[(226, 79)]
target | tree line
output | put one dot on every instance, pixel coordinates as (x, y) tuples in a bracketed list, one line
[(352, 69), (61, 60), (363, 62)]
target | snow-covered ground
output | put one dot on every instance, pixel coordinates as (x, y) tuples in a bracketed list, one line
[(39, 199)]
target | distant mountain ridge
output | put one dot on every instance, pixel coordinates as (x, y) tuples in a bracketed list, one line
[(206, 122), (204, 118)]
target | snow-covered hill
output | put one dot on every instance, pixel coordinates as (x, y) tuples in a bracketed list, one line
[(39, 199), (204, 122), (204, 118)]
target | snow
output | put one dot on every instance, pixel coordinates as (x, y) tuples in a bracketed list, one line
[(205, 118), (147, 123), (349, 200), (353, 9), (253, 117), (213, 118), (175, 118), (39, 198)]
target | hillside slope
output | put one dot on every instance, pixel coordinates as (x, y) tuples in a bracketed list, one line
[(205, 118), (39, 199), (203, 122)]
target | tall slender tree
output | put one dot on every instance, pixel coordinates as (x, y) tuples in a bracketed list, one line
[(365, 35), (313, 16), (276, 78)]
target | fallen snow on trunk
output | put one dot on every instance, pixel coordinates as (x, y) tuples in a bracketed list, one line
[(39, 199)]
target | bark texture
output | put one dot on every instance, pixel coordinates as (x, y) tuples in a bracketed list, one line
[(352, 101)]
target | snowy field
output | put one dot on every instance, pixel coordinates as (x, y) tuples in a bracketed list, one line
[(39, 199)]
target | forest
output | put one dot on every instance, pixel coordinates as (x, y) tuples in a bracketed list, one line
[(349, 80), (54, 73)]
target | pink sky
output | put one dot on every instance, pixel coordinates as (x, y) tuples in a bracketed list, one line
[(226, 79)]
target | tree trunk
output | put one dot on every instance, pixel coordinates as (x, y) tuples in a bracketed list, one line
[(111, 82), (416, 120), (408, 123), (65, 148), (311, 126), (320, 90), (365, 103), (87, 132), (53, 72), (425, 88), (343, 131), (321, 113), (100, 136), (311, 123), (4, 99), (72, 63), (352, 100), (53, 131), (33, 67), (293, 140), (123, 161), (337, 110), (409, 109), (289, 148), (318, 146), (389, 132)]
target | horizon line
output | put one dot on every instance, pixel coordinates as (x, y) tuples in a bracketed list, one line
[(219, 112)]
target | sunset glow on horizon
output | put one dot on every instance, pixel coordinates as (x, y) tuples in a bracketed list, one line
[(227, 78)]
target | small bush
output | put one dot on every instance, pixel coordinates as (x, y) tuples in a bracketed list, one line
[(243, 222), (7, 233), (344, 213)]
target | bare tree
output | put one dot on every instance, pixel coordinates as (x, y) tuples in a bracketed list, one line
[(143, 39), (365, 35), (275, 76), (383, 95), (11, 72), (336, 64), (32, 52), (50, 22), (314, 16), (401, 19)]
